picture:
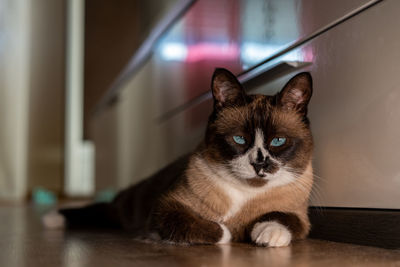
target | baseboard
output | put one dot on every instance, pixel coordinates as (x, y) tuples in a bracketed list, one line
[(370, 227)]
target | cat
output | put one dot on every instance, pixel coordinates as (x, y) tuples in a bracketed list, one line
[(248, 181)]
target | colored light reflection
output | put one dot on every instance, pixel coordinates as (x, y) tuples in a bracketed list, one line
[(253, 53), (199, 52), (249, 53), (173, 51)]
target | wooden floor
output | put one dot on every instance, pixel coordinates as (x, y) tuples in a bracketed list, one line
[(23, 242)]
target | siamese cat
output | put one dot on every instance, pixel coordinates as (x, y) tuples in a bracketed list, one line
[(248, 181)]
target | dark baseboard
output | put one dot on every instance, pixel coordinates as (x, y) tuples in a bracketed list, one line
[(370, 227)]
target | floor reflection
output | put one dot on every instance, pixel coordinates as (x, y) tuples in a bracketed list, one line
[(24, 242)]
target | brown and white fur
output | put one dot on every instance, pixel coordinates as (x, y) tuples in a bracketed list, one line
[(225, 191)]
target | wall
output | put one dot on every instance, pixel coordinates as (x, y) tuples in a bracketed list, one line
[(31, 96), (47, 95), (14, 84), (114, 30), (121, 132)]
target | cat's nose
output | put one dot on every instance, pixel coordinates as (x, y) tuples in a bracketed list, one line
[(259, 166)]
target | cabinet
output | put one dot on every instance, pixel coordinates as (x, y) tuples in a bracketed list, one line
[(354, 110)]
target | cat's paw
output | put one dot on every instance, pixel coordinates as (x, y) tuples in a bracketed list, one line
[(271, 234), (226, 235)]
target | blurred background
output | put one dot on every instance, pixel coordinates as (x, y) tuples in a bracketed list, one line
[(96, 95)]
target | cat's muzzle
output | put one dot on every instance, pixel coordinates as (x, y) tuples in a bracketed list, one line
[(260, 168)]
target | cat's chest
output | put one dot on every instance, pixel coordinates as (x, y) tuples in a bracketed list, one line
[(238, 198)]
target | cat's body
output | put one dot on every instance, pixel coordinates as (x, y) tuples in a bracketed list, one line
[(249, 180)]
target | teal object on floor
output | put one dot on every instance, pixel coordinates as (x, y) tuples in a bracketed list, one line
[(42, 196)]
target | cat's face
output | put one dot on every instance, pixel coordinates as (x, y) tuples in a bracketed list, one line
[(260, 139)]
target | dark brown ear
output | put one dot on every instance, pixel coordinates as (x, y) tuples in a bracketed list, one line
[(296, 94), (226, 89)]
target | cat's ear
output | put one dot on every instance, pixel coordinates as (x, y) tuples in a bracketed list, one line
[(296, 94), (226, 89)]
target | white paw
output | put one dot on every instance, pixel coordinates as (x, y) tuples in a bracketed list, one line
[(54, 220), (271, 234), (226, 235)]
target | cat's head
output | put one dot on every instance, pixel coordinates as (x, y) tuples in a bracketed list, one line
[(260, 139)]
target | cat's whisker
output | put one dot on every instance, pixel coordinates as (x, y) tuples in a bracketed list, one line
[(315, 195), (317, 186), (301, 188)]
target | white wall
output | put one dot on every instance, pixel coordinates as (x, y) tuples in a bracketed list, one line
[(14, 93)]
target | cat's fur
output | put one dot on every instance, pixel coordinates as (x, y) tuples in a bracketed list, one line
[(226, 191)]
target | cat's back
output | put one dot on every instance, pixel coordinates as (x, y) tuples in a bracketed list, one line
[(135, 203)]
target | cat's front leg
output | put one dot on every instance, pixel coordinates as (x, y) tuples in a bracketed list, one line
[(179, 224), (277, 229)]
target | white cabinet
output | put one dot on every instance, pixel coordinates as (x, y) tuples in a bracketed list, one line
[(355, 109), (354, 112)]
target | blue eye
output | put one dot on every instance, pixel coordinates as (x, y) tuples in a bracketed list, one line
[(278, 141), (239, 139)]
